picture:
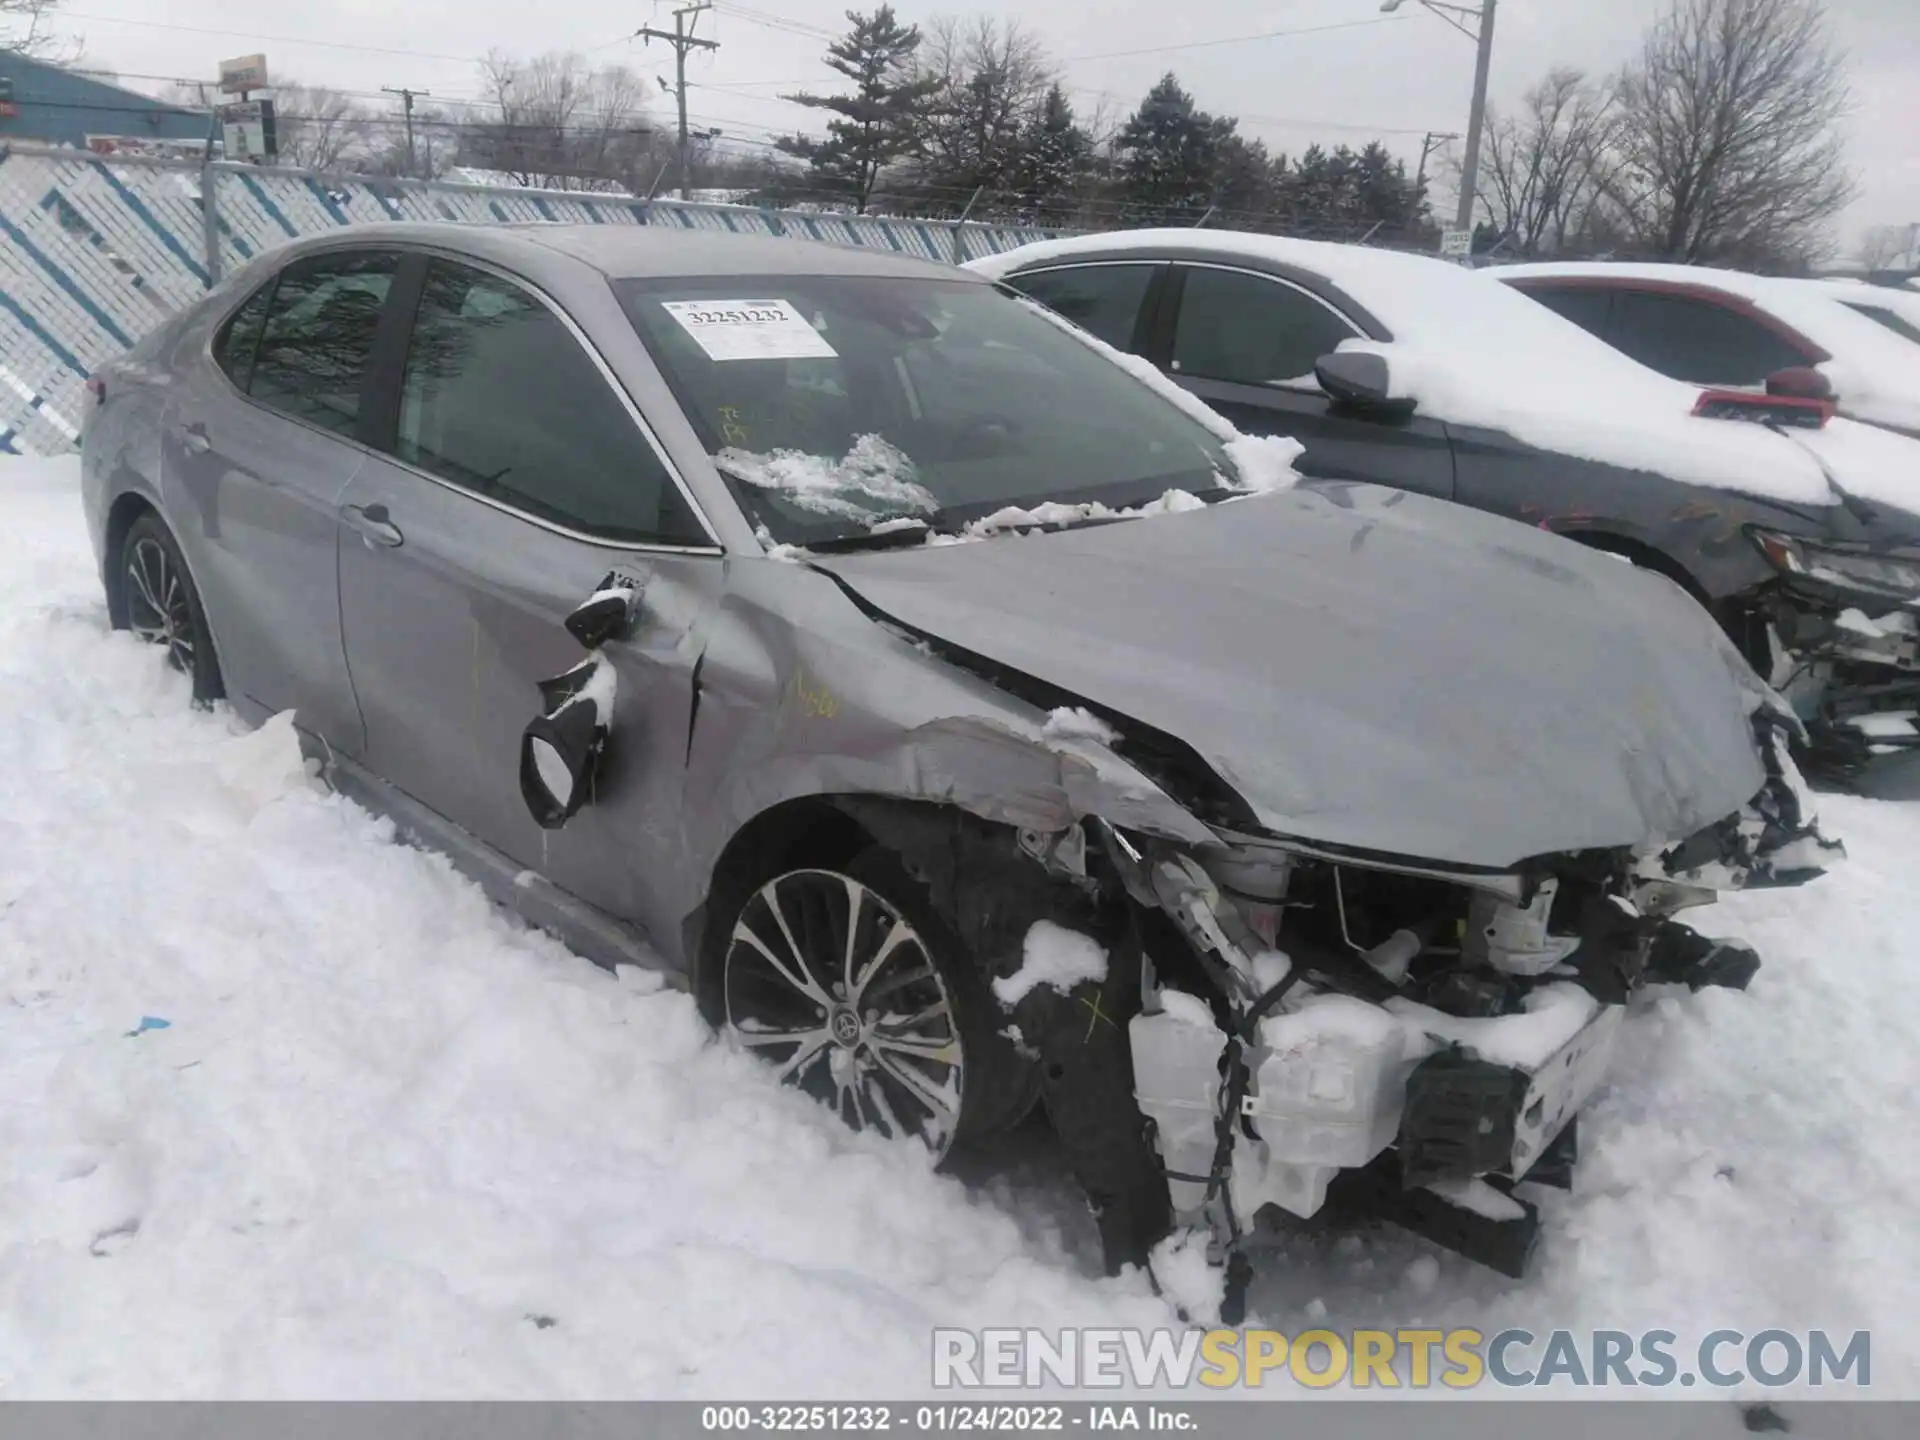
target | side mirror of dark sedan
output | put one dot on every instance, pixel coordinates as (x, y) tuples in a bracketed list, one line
[(1800, 382), (1362, 380)]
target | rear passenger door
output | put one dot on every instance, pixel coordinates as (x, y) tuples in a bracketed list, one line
[(256, 452), (516, 476), (1247, 344)]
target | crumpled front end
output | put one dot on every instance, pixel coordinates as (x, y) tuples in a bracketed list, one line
[(1373, 1037)]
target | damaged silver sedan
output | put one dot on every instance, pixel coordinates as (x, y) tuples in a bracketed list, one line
[(973, 721)]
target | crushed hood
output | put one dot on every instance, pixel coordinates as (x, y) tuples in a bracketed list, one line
[(1369, 668)]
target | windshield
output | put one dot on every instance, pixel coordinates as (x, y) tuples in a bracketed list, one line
[(836, 403)]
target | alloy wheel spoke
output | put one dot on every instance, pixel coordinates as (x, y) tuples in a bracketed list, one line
[(137, 572), (877, 1097), (897, 981), (800, 980), (897, 934), (804, 981), (944, 1052), (760, 1039), (919, 1086), (810, 1050), (856, 903)]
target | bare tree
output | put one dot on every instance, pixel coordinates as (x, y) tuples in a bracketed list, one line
[(989, 84), (26, 28), (1730, 146), (1547, 167), (320, 129), (1890, 247), (554, 121)]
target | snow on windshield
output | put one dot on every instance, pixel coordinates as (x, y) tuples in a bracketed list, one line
[(1473, 352), (875, 476)]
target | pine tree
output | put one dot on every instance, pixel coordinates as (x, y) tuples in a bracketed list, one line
[(1170, 155), (874, 126), (1055, 159)]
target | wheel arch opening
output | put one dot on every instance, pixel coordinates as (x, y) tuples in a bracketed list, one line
[(121, 518)]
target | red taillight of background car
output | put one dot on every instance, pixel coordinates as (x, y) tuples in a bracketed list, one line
[(1788, 410)]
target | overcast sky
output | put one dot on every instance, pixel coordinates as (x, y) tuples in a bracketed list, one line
[(1391, 77)]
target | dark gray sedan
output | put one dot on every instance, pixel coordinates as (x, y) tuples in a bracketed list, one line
[(1800, 531), (966, 720)]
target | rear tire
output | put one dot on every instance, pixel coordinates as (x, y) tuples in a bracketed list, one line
[(163, 606)]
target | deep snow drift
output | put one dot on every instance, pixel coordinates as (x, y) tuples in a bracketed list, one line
[(388, 1142)]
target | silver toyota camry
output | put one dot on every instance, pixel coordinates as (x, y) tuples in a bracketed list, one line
[(971, 721)]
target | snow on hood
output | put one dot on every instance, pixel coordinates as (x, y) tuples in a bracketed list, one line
[(1875, 372), (1475, 352), (1368, 667)]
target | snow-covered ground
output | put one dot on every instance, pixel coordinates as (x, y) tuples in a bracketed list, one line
[(287, 1110)]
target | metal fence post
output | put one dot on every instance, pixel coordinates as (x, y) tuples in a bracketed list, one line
[(210, 219)]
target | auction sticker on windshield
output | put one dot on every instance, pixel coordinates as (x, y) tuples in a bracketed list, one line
[(749, 329)]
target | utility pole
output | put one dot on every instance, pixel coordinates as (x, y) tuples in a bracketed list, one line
[(682, 40), (1461, 18), (406, 100), (1477, 121)]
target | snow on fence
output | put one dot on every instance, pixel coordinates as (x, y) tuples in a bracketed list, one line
[(94, 253)]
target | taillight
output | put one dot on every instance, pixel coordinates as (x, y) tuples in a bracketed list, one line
[(1793, 411)]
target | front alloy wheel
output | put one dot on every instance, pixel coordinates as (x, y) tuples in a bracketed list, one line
[(828, 979)]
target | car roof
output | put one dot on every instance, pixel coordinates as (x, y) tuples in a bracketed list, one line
[(634, 251), (1477, 353)]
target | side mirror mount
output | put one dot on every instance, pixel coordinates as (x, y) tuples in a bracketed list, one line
[(607, 614), (1362, 380), (1800, 382)]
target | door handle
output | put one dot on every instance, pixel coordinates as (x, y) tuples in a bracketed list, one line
[(195, 439), (373, 522)]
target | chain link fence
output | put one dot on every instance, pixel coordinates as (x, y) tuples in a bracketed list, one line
[(94, 253)]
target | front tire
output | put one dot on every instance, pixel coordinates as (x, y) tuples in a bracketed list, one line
[(163, 607), (846, 977)]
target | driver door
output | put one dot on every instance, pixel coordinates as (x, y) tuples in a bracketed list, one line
[(514, 476)]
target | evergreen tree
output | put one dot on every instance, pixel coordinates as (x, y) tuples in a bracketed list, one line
[(1170, 155), (874, 126), (1055, 159)]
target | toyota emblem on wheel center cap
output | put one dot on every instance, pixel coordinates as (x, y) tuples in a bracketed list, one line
[(846, 1027)]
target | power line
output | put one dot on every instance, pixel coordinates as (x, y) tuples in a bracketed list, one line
[(1240, 39), (276, 39)]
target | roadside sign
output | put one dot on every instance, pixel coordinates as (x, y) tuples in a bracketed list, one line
[(248, 72), (246, 130), (1456, 244)]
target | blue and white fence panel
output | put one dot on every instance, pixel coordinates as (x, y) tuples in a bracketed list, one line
[(94, 253)]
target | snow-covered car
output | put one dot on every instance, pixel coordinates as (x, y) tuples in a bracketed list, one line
[(1798, 531), (965, 718), (1892, 307), (1729, 330)]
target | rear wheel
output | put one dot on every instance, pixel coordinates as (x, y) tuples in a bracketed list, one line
[(163, 607), (846, 978)]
